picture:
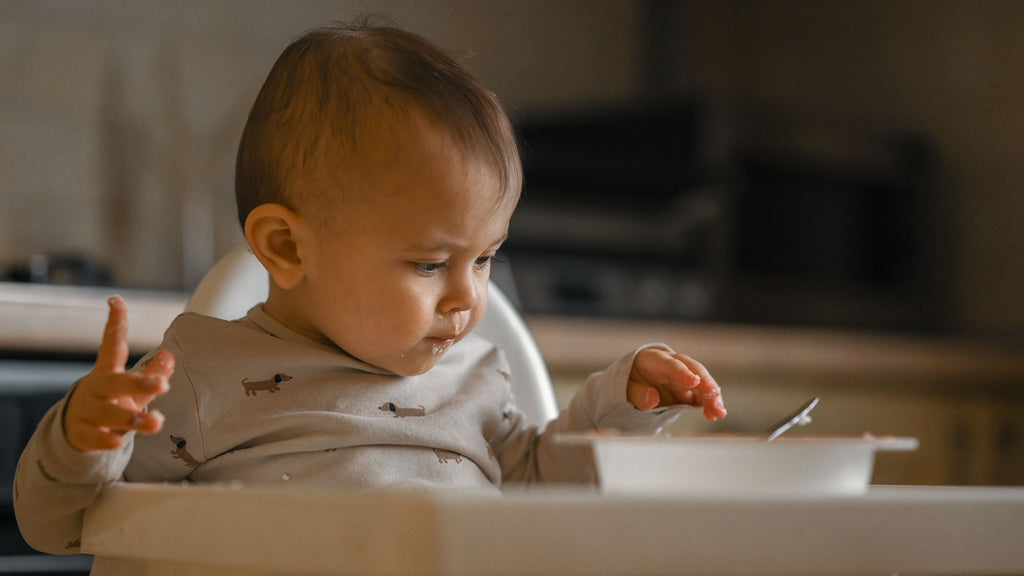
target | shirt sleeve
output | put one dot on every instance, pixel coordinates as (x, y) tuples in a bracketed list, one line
[(529, 455), (55, 483)]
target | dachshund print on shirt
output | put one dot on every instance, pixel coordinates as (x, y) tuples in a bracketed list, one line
[(400, 412), (180, 452), (270, 385), (446, 456)]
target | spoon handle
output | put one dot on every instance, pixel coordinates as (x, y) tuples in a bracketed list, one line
[(798, 417)]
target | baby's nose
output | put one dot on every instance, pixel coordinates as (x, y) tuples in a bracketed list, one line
[(458, 319), (463, 294)]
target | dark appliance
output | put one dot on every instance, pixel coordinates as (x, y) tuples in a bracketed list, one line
[(712, 213), (616, 215)]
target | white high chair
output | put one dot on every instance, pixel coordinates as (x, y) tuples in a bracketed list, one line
[(238, 281)]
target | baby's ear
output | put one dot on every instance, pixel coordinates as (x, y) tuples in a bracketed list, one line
[(274, 232)]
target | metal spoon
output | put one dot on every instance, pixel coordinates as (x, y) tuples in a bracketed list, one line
[(799, 418)]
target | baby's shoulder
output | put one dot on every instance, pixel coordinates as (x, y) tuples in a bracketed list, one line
[(210, 352), (194, 334), (197, 325)]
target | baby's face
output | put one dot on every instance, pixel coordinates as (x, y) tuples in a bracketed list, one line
[(401, 275)]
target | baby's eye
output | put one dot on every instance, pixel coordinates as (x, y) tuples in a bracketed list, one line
[(483, 261), (429, 268)]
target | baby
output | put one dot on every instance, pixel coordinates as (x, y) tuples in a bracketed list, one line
[(375, 182)]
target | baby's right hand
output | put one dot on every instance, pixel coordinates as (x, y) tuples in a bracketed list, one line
[(108, 401)]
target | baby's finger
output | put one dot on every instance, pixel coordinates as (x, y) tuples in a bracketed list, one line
[(709, 391), (147, 422), (704, 383), (118, 419), (132, 384), (678, 381), (113, 353), (86, 438), (157, 374), (663, 369), (642, 396), (162, 365)]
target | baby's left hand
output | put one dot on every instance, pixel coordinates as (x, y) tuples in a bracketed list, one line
[(661, 378)]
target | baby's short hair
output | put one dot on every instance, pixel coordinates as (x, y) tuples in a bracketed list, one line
[(337, 84)]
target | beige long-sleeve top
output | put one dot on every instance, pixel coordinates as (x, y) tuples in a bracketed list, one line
[(255, 402)]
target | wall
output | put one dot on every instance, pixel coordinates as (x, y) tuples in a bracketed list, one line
[(119, 120)]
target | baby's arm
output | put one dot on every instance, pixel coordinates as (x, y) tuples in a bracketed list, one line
[(80, 446), (642, 392)]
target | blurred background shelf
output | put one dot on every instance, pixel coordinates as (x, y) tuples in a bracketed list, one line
[(962, 399), (574, 344)]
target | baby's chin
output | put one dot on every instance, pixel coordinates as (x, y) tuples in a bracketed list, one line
[(404, 366), (408, 359)]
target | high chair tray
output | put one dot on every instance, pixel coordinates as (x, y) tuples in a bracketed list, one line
[(160, 529)]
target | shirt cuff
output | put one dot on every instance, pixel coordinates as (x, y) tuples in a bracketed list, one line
[(63, 463), (605, 396)]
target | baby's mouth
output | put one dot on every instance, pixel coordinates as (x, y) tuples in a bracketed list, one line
[(451, 333), (441, 345)]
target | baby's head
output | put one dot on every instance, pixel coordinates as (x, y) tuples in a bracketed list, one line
[(337, 94), (375, 179)]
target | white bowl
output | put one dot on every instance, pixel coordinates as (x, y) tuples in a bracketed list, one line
[(737, 465)]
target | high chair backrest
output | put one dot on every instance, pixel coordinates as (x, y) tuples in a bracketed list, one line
[(238, 281)]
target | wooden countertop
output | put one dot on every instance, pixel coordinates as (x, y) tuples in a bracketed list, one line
[(70, 319), (572, 344), (65, 319)]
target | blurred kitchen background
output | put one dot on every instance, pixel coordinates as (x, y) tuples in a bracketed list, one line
[(813, 198), (838, 163), (851, 163)]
